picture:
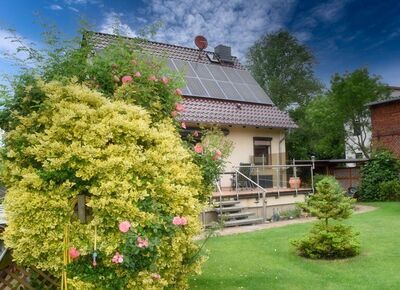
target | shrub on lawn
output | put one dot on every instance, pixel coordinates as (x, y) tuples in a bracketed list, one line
[(378, 175), (328, 241)]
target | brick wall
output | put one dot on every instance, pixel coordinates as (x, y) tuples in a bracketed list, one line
[(385, 120)]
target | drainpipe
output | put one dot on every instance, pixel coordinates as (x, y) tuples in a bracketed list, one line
[(279, 149)]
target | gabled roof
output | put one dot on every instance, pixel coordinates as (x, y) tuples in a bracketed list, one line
[(102, 40), (223, 112), (222, 93), (386, 101)]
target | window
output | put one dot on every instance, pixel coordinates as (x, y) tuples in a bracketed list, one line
[(262, 150), (356, 128)]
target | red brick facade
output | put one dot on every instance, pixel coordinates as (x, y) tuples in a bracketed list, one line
[(385, 118)]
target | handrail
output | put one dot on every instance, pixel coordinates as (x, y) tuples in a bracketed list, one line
[(273, 166), (220, 194), (260, 187)]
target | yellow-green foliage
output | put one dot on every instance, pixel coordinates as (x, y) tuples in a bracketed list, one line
[(81, 142)]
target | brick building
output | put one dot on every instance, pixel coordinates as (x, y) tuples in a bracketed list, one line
[(385, 121)]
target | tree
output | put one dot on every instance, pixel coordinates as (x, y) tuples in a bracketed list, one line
[(350, 93), (381, 170), (319, 134), (326, 240), (284, 68)]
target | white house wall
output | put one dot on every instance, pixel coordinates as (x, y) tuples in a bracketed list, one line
[(242, 139)]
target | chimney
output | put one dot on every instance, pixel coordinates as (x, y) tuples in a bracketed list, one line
[(224, 53)]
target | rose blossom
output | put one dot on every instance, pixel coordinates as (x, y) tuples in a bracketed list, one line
[(179, 221), (183, 221), (217, 155), (178, 92), (155, 276), (174, 113), (118, 258), (198, 148), (137, 74), (142, 242), (152, 78), (126, 79), (73, 253), (183, 125), (179, 107), (195, 133), (124, 226), (176, 221), (164, 80)]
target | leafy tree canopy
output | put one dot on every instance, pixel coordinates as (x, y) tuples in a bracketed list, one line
[(284, 68), (350, 93)]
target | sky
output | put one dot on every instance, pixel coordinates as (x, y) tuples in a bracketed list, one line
[(343, 34)]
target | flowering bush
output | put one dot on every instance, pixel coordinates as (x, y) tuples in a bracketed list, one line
[(108, 129), (138, 179)]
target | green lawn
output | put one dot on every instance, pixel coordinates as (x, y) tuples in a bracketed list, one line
[(266, 259)]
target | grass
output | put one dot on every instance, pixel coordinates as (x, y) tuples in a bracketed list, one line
[(266, 259)]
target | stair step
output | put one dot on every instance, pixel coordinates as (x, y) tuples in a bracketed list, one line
[(235, 215), (243, 222), (227, 203), (229, 209)]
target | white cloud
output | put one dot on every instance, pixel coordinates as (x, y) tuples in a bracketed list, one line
[(237, 23), (329, 12), (112, 24), (55, 7), (9, 45), (73, 9)]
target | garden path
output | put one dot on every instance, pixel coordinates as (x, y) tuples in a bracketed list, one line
[(360, 208)]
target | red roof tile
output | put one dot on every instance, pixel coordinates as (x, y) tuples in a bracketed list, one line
[(213, 111)]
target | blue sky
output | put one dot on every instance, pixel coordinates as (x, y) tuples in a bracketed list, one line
[(343, 34)]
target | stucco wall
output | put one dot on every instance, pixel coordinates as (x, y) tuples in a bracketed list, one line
[(242, 139)]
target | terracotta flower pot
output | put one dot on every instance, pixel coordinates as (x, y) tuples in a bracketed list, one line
[(295, 182)]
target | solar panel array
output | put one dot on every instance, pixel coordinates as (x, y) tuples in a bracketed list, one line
[(219, 82)]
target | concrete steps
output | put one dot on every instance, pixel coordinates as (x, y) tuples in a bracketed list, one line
[(237, 215), (231, 214), (243, 222)]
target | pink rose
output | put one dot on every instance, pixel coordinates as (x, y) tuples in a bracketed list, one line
[(176, 221), (137, 74), (174, 113), (179, 221), (195, 133), (164, 80), (118, 258), (183, 221), (155, 276), (142, 242), (179, 107), (183, 125), (178, 92), (73, 253), (126, 79), (217, 155), (152, 78), (124, 226), (198, 148)]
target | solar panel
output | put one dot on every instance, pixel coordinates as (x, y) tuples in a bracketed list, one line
[(215, 81)]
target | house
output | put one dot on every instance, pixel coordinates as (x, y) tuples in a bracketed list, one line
[(385, 121), (364, 136), (221, 92)]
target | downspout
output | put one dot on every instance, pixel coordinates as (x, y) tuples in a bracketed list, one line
[(279, 149)]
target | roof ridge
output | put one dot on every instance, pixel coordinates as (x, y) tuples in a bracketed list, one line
[(151, 41)]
